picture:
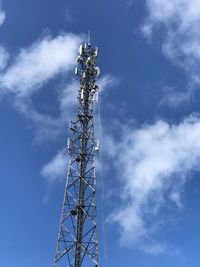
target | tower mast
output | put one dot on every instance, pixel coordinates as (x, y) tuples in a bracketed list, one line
[(77, 244)]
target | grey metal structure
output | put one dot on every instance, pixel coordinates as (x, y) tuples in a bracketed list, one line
[(77, 244)]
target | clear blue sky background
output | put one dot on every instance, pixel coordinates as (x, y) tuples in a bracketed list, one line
[(28, 224)]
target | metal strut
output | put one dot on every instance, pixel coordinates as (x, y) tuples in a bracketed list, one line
[(77, 244)]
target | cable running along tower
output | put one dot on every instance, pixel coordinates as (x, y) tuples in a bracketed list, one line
[(77, 244)]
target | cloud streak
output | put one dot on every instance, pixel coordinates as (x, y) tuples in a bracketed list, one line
[(31, 69), (178, 21), (2, 14), (4, 56), (36, 65), (153, 164), (56, 168)]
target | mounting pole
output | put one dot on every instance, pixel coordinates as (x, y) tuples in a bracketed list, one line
[(77, 244)]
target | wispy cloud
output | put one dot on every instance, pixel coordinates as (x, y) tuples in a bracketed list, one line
[(153, 164), (68, 105), (4, 56), (180, 21), (68, 15), (2, 14), (107, 81), (36, 65), (55, 170), (68, 100)]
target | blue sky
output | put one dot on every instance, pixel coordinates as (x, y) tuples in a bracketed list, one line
[(149, 56)]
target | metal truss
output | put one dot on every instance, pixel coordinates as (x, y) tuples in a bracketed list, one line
[(77, 244)]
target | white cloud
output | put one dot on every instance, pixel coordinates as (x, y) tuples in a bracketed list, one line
[(180, 21), (48, 127), (4, 56), (68, 99), (2, 14), (55, 170), (36, 65), (153, 164), (107, 81)]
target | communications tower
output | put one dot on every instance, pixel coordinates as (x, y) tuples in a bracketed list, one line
[(77, 244)]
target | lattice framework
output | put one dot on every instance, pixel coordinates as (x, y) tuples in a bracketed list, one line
[(77, 244)]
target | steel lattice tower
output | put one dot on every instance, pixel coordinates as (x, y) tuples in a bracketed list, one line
[(77, 244)]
